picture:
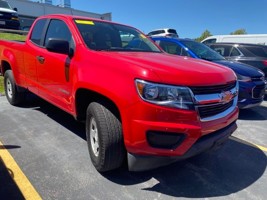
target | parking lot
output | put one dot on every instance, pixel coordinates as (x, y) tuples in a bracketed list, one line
[(50, 149)]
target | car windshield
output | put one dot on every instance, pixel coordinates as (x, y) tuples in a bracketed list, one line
[(4, 4), (202, 51), (104, 36)]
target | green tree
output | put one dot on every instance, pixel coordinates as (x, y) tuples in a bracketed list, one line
[(203, 36), (241, 31)]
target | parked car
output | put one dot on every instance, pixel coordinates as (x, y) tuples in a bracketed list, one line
[(8, 17), (139, 104), (251, 80), (244, 38), (251, 54), (165, 32)]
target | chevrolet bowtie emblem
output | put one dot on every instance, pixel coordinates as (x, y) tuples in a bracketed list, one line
[(226, 97)]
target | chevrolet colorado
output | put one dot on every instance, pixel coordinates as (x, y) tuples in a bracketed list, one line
[(139, 104)]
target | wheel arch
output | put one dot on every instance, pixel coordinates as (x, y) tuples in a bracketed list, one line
[(84, 97), (5, 66)]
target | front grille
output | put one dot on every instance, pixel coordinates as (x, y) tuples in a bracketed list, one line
[(211, 110), (258, 91), (212, 89), (5, 15)]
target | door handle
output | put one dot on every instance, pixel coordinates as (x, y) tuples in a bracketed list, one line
[(41, 59)]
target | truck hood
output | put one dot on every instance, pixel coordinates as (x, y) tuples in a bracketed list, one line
[(7, 10), (242, 69), (175, 70)]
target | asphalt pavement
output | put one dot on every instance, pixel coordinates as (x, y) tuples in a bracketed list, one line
[(50, 148)]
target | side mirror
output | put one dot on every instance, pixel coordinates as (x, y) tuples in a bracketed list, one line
[(59, 46), (15, 9)]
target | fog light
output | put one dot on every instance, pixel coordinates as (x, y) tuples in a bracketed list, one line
[(164, 140)]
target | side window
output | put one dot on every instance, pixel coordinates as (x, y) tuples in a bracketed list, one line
[(234, 52), (37, 31), (170, 47), (223, 50), (58, 29), (173, 48)]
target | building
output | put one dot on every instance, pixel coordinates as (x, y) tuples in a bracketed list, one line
[(28, 11), (46, 1), (65, 3)]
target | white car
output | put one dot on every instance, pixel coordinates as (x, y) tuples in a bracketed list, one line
[(166, 32)]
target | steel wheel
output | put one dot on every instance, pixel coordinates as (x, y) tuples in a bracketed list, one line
[(94, 137), (9, 89)]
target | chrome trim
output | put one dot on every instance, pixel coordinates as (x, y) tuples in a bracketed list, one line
[(222, 114), (203, 100), (213, 98)]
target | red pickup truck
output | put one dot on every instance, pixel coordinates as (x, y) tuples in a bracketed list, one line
[(139, 104)]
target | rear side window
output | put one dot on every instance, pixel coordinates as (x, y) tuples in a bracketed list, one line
[(172, 31), (257, 51), (37, 31)]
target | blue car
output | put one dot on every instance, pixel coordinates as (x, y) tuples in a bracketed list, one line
[(251, 80)]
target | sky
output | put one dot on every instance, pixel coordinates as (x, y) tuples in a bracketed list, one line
[(189, 17)]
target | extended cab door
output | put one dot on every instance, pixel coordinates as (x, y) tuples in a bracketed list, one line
[(54, 69)]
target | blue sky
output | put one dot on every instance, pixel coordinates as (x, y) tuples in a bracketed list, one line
[(189, 17)]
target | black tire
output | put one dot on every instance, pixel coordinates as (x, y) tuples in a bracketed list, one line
[(13, 95), (104, 138)]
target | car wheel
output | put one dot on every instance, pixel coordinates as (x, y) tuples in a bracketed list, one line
[(104, 138), (13, 96)]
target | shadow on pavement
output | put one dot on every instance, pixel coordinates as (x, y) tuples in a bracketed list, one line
[(8, 188), (228, 170), (256, 113), (219, 173), (56, 114)]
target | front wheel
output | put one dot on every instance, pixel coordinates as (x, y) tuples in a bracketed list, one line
[(13, 95), (104, 138)]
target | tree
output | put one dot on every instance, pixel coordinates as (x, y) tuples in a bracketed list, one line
[(203, 36), (241, 31)]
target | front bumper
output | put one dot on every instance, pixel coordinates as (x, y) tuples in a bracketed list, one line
[(206, 142), (251, 94), (9, 24)]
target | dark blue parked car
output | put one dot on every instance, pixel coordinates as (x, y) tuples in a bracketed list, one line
[(251, 80)]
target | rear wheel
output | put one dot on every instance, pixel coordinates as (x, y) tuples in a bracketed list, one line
[(13, 95), (104, 138)]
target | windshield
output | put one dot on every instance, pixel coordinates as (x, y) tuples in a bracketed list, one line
[(103, 36), (4, 4), (202, 51)]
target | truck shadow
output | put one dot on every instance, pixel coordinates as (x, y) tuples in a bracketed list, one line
[(256, 113), (228, 170)]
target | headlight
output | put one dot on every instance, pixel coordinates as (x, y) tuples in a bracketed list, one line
[(165, 95), (243, 78)]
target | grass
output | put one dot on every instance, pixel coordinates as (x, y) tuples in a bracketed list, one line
[(12, 36), (9, 36), (2, 91)]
